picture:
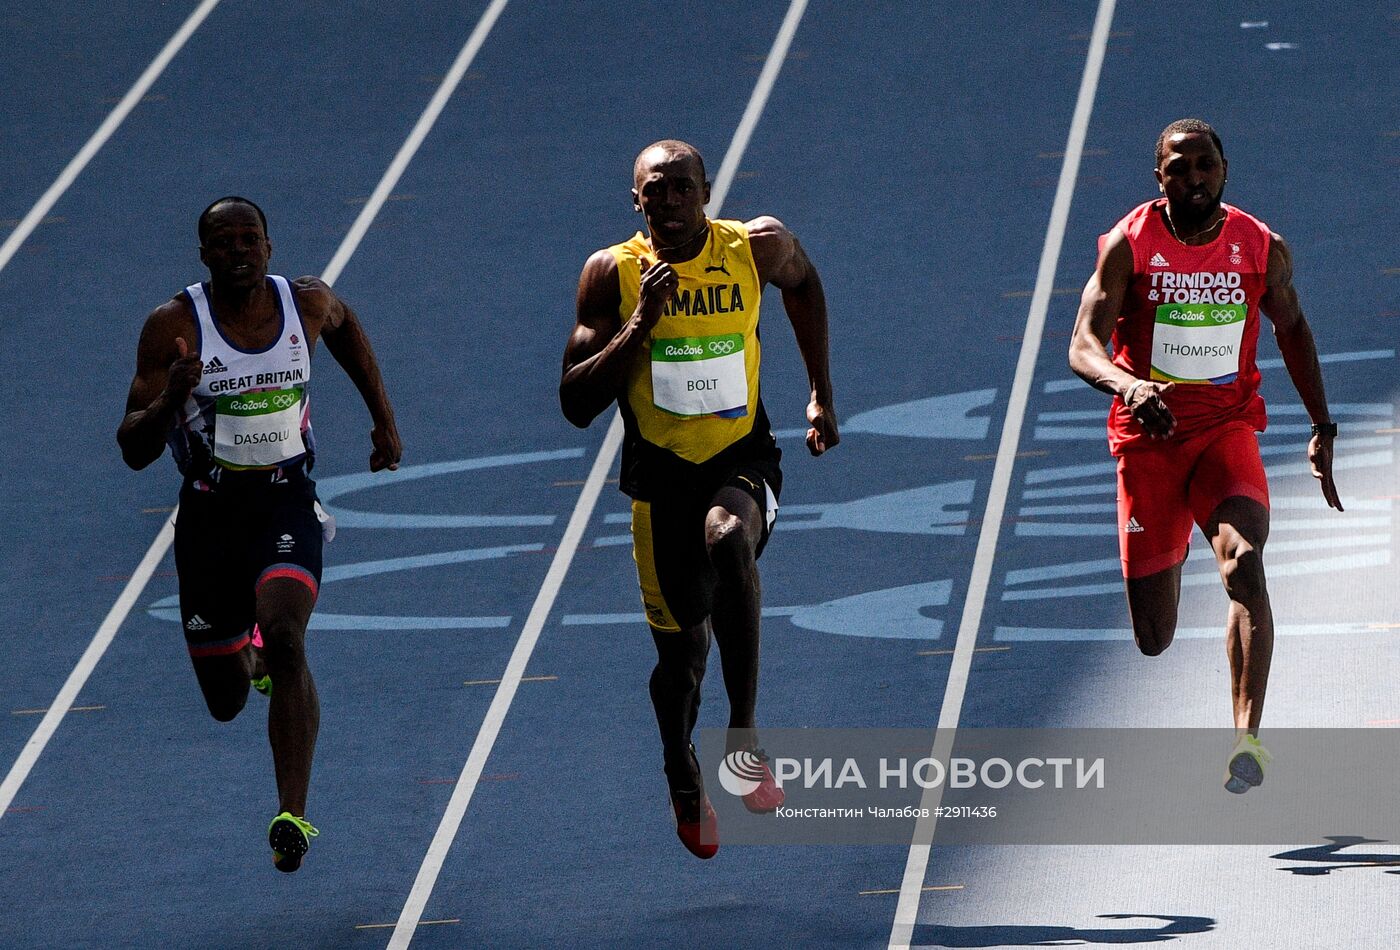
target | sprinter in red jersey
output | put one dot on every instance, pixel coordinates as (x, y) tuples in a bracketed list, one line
[(1179, 287)]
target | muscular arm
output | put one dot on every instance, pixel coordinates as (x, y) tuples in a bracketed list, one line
[(602, 346), (347, 341), (782, 262), (167, 370), (1099, 307), (1295, 342), (1291, 330)]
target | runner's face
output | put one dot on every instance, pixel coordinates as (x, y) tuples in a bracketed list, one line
[(671, 193), (235, 247), (1192, 176)]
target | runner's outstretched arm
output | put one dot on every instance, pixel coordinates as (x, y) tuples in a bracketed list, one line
[(347, 341), (1295, 342), (782, 263)]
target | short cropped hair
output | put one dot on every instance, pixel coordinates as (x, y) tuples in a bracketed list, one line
[(228, 200), (1188, 127), (674, 148)]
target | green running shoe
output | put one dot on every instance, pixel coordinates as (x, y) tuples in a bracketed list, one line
[(1246, 768), (290, 838)]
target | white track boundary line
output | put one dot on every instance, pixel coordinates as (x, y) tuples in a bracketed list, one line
[(86, 664), (117, 615), (104, 132), (456, 810), (113, 621), (916, 867), (740, 143), (415, 139)]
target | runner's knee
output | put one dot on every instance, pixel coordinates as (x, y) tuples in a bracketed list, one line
[(1152, 606), (284, 646), (1243, 574), (728, 543), (1153, 631), (1152, 639), (678, 675), (680, 661), (226, 706)]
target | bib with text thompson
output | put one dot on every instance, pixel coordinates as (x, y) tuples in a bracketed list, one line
[(1198, 343)]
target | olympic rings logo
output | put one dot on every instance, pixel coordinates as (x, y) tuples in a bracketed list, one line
[(1223, 316), (721, 347), (283, 400)]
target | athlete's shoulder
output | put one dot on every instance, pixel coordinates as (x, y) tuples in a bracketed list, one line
[(600, 284), (763, 227), (309, 286), (1240, 217), (314, 297), (634, 248), (174, 318), (1132, 223), (176, 313), (1121, 242), (603, 264), (765, 235)]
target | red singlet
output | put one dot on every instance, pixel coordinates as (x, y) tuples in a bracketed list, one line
[(1191, 315)]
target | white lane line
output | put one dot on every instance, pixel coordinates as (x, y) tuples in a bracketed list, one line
[(411, 915), (117, 615), (77, 679), (414, 140), (916, 867), (737, 146), (104, 132)]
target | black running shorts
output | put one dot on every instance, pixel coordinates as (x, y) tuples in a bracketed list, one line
[(233, 537)]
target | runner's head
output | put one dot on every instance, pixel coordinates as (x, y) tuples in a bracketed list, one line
[(233, 242), (1191, 171), (670, 190)]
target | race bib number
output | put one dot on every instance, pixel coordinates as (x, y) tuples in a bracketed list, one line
[(252, 430), (1198, 343), (700, 375)]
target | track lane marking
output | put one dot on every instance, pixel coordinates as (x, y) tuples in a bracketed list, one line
[(916, 866), (583, 510), (134, 587), (109, 126)]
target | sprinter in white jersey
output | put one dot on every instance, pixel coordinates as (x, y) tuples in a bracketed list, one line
[(222, 374)]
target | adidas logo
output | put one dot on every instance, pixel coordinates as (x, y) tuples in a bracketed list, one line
[(1158, 260), (215, 365), (197, 623), (1132, 526)]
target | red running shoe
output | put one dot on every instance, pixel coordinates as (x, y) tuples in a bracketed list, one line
[(696, 824), (768, 796)]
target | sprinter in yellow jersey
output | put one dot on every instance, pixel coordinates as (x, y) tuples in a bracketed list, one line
[(668, 327)]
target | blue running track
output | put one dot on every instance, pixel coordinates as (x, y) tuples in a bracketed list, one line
[(916, 150)]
